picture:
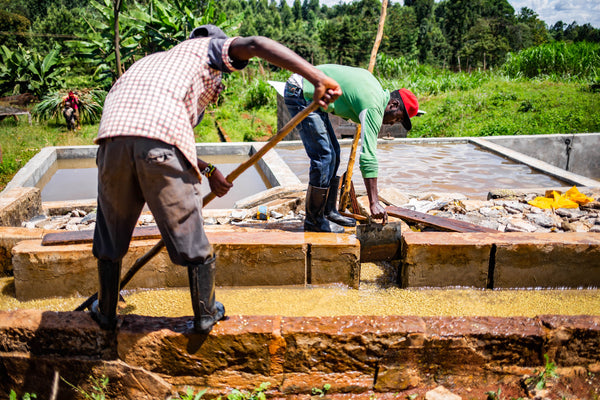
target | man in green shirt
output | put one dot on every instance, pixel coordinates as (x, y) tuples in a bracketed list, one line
[(363, 101)]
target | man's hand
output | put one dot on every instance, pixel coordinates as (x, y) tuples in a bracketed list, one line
[(218, 184), (327, 91), (378, 212)]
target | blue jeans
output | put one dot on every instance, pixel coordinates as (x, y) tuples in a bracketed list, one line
[(318, 138)]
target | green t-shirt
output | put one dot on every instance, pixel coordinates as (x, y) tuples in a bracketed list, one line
[(363, 101)]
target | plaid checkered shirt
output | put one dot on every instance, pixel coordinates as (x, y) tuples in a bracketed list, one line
[(164, 95)]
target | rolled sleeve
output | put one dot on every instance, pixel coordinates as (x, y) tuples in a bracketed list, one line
[(218, 54)]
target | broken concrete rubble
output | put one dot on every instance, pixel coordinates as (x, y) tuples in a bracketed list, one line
[(510, 214)]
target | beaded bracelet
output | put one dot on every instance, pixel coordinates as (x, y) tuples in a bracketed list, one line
[(208, 171)]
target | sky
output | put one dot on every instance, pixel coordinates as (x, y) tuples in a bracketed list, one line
[(549, 11)]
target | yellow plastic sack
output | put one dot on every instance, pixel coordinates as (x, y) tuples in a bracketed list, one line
[(571, 199), (577, 196)]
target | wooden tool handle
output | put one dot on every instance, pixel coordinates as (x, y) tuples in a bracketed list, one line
[(291, 124)]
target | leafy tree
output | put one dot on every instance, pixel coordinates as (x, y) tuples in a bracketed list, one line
[(538, 34), (310, 10), (401, 33), (457, 17), (286, 13), (60, 24), (34, 9), (440, 53), (582, 33), (557, 31), (14, 29), (423, 8), (482, 47), (297, 38), (340, 38), (297, 10), (520, 36)]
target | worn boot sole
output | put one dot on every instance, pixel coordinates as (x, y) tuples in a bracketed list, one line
[(341, 220), (333, 228), (205, 323)]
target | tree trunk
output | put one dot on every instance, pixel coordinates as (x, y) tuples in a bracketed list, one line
[(117, 8), (373, 59)]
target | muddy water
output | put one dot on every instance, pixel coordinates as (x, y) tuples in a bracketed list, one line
[(448, 168), (76, 179), (376, 296)]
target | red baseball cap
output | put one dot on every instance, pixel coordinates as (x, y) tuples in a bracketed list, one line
[(410, 105)]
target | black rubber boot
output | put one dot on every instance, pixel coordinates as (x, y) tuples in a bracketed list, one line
[(315, 220), (104, 310), (331, 211), (207, 311)]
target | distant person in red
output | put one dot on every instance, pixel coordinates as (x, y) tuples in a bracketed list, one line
[(71, 110)]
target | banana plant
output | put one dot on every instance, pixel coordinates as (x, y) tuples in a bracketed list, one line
[(167, 24), (98, 47), (24, 71), (46, 72)]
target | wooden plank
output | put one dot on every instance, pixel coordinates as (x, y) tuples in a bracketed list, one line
[(151, 232), (445, 224), (86, 236)]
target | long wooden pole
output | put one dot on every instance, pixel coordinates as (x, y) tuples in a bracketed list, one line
[(344, 200), (143, 260), (375, 48), (343, 203)]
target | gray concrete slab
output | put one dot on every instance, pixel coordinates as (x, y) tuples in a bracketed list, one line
[(542, 166)]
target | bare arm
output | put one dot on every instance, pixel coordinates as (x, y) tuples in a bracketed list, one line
[(244, 48)]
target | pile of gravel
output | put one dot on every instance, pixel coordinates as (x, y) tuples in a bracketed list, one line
[(504, 211)]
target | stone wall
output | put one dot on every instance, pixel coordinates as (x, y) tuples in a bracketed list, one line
[(19, 204), (9, 237), (151, 358), (500, 260), (245, 257)]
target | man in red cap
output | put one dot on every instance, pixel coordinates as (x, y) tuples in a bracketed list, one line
[(363, 101)]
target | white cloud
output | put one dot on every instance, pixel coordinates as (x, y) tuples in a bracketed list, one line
[(549, 11)]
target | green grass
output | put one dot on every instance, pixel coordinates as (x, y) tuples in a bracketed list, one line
[(21, 141), (501, 107)]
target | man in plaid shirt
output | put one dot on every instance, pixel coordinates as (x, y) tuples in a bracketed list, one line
[(147, 154)]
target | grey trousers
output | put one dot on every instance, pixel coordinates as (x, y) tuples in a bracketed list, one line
[(136, 170)]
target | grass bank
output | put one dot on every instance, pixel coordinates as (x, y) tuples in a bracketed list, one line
[(503, 107)]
